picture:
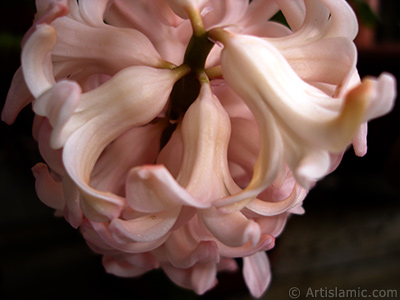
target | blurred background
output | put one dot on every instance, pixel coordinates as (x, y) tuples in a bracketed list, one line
[(349, 237)]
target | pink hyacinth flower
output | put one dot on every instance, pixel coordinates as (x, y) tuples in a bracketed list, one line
[(182, 134)]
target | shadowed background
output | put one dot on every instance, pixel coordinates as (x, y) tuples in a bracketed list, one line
[(349, 237)]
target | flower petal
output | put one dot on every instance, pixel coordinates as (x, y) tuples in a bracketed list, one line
[(102, 232), (144, 229), (36, 67), (294, 12), (125, 101), (232, 229), (111, 170), (183, 251), (204, 277), (153, 189), (256, 273), (49, 191), (18, 97), (129, 265)]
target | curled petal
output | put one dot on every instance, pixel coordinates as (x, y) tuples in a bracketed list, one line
[(204, 277), (35, 65), (274, 208), (114, 164), (360, 140), (100, 49), (227, 264), (144, 229), (171, 155), (200, 277), (72, 210), (58, 104), (327, 60), (49, 191), (222, 13), (47, 12), (183, 8), (102, 235), (232, 229), (294, 12), (125, 101), (93, 12), (205, 134), (183, 251), (52, 157), (152, 189), (299, 111), (343, 19), (382, 95), (130, 265), (256, 273), (273, 225), (266, 242), (258, 11), (18, 97)]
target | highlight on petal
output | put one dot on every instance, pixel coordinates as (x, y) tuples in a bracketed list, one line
[(36, 66)]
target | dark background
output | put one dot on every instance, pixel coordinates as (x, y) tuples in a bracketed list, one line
[(349, 237)]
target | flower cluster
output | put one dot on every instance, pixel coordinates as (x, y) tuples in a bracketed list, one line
[(181, 134)]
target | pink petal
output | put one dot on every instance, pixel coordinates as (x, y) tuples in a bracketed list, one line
[(144, 229), (183, 251), (72, 210), (102, 49), (102, 232), (129, 265), (204, 277), (232, 229), (294, 12), (153, 189), (111, 170), (256, 273), (47, 12), (171, 155), (18, 97), (93, 12), (58, 104), (360, 140), (200, 233), (125, 101), (265, 208), (49, 191), (35, 64), (258, 12), (222, 13), (328, 60)]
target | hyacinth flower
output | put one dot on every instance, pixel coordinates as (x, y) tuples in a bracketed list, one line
[(182, 134)]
